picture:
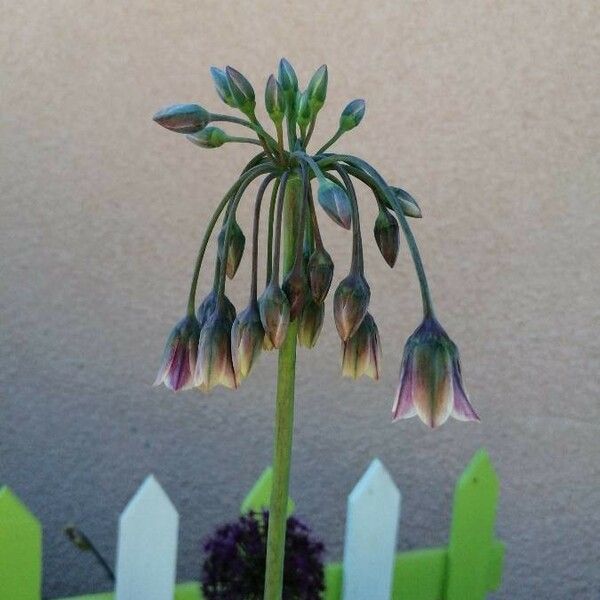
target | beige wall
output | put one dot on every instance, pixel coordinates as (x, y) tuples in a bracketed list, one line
[(486, 111)]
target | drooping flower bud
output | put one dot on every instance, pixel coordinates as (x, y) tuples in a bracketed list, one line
[(352, 115), (274, 313), (409, 205), (183, 118), (320, 274), (241, 90), (295, 287), (350, 304), (208, 305), (247, 336), (274, 100), (209, 137), (287, 78), (430, 379), (303, 112), (317, 89), (335, 202), (222, 86), (310, 324), (215, 365), (237, 243), (179, 359), (361, 353), (387, 236)]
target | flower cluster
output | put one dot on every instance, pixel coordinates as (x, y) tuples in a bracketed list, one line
[(235, 563), (215, 345)]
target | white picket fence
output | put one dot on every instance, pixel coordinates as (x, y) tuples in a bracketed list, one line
[(149, 526), (468, 567)]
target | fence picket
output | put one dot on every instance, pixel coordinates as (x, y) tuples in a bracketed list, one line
[(474, 557), (371, 533), (147, 545), (20, 550)]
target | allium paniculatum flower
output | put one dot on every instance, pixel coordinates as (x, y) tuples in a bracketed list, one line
[(219, 348)]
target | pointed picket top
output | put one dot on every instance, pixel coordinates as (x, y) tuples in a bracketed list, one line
[(371, 534), (259, 497), (20, 550), (147, 545), (472, 550)]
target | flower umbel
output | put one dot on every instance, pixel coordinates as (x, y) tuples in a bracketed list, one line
[(430, 379)]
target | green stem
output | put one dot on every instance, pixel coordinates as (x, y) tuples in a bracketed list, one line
[(374, 180), (284, 420), (336, 136), (243, 140)]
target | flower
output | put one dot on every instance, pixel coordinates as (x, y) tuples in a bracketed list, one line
[(274, 313), (320, 274), (179, 359), (247, 336), (183, 118), (235, 560), (335, 202), (430, 379), (361, 353), (214, 365), (387, 236), (208, 305), (350, 304), (310, 324), (235, 250), (295, 287)]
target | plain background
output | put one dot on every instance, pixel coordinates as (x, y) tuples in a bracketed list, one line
[(487, 112)]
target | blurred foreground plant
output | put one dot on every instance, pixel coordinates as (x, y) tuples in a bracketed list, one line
[(217, 346)]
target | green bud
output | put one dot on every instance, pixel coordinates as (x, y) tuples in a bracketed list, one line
[(303, 111), (241, 90), (237, 243), (222, 85), (274, 314), (310, 324), (350, 304), (352, 115), (274, 100), (335, 202), (317, 89), (387, 235), (209, 137), (409, 205), (320, 274), (183, 118), (295, 287), (287, 78)]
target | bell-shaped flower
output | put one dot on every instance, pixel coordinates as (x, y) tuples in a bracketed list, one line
[(237, 243), (335, 202), (310, 324), (214, 365), (295, 287), (179, 360), (350, 304), (183, 118), (247, 336), (320, 274), (430, 379), (387, 236), (208, 305), (361, 353), (274, 313)]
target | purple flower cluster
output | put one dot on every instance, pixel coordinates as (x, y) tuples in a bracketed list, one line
[(234, 567)]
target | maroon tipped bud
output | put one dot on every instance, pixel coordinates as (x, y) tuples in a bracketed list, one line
[(183, 118), (320, 274), (311, 322), (361, 353), (296, 289), (350, 304), (387, 236), (274, 313), (215, 365), (179, 359), (247, 336), (237, 243)]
